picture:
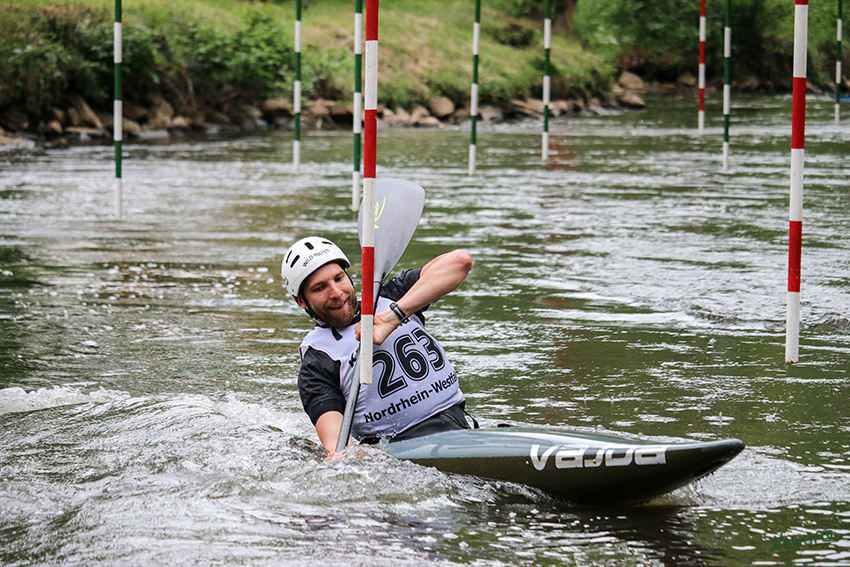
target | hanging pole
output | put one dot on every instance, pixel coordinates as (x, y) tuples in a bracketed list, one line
[(547, 44), (727, 55), (367, 305), (473, 103), (296, 102), (118, 112), (838, 67), (798, 142), (701, 74), (357, 118)]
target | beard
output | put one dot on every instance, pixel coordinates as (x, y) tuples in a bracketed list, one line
[(342, 316)]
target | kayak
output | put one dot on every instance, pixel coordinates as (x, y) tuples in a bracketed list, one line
[(583, 468)]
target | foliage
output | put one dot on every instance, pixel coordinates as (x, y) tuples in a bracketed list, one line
[(659, 38), (223, 64)]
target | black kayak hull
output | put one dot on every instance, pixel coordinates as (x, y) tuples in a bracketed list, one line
[(580, 467)]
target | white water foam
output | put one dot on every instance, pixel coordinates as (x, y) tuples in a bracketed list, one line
[(16, 400)]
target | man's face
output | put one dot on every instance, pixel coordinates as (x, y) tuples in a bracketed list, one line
[(329, 292)]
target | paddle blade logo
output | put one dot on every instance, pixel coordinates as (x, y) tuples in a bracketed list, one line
[(379, 210), (609, 456)]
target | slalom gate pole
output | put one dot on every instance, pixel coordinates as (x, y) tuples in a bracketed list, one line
[(367, 304), (473, 103), (798, 142), (838, 66), (357, 118), (547, 82), (727, 55), (296, 97), (118, 112), (701, 74)]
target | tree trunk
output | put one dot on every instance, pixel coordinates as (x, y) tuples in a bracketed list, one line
[(563, 19)]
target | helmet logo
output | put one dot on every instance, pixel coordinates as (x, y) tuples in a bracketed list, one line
[(315, 255)]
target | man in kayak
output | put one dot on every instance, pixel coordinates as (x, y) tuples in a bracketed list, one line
[(415, 389)]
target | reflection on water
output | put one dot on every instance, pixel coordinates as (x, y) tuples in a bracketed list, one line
[(148, 405)]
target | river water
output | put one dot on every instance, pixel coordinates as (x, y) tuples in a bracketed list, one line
[(149, 413)]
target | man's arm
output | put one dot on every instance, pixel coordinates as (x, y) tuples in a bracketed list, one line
[(439, 277), (321, 396), (327, 426)]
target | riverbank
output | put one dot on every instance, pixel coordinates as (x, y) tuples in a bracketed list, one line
[(78, 122), (229, 66)]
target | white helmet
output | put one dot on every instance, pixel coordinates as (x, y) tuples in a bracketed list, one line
[(305, 257)]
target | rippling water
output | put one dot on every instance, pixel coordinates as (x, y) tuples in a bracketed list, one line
[(148, 408)]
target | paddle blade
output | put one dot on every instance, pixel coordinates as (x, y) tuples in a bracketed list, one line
[(398, 208)]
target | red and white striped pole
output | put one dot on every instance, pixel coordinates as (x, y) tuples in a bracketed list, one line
[(798, 142), (370, 128), (701, 115)]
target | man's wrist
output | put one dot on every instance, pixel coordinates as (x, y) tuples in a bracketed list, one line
[(402, 316)]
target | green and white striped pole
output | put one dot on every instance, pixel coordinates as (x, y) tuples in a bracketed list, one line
[(118, 113), (547, 44), (357, 118), (473, 103), (701, 69), (838, 67), (296, 103), (727, 55)]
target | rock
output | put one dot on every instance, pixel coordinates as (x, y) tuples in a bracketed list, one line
[(239, 113), (397, 117), (15, 120), (277, 106), (57, 144), (131, 127), (559, 107), (161, 113), (491, 113), (7, 140), (74, 117), (59, 115), (631, 81), (342, 111), (419, 114), (531, 107), (86, 114), (430, 122), (750, 85), (50, 128), (181, 122), (320, 112), (320, 107), (687, 80), (106, 119), (217, 117), (442, 106), (631, 100), (134, 112)]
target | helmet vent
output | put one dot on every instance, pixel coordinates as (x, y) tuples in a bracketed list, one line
[(308, 246), (294, 260)]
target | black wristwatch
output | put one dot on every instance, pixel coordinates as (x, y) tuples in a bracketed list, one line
[(399, 313)]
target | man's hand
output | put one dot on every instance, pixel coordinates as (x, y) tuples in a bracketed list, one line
[(383, 325)]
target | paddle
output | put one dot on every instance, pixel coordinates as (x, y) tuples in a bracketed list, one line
[(398, 208)]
